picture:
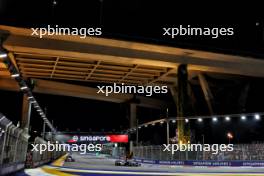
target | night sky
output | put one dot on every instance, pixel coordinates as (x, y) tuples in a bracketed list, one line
[(142, 20)]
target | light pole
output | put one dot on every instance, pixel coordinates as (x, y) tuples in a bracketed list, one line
[(168, 126), (137, 133), (203, 145), (168, 131)]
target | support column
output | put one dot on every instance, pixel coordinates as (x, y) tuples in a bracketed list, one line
[(192, 98), (26, 112), (133, 122), (133, 115), (182, 103), (168, 131), (242, 100), (137, 133), (167, 126), (44, 130), (173, 93), (207, 92)]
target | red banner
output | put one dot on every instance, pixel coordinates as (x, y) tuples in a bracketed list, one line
[(115, 138), (118, 138)]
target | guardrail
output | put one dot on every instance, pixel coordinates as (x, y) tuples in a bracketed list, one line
[(13, 146), (241, 152), (203, 163), (14, 151)]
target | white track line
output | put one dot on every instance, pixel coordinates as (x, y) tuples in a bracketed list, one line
[(147, 173)]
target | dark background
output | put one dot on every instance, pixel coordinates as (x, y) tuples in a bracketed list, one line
[(142, 21)]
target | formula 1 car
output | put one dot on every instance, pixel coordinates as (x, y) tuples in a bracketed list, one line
[(69, 158), (127, 163)]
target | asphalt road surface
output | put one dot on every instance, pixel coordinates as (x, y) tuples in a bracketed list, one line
[(99, 166)]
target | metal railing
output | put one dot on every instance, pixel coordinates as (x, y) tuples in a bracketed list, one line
[(240, 152), (15, 151), (13, 146), (13, 142)]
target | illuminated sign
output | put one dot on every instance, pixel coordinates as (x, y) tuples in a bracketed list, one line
[(119, 138), (99, 138)]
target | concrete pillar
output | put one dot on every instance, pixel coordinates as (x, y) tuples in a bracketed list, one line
[(44, 130), (168, 132), (207, 92), (137, 133), (133, 115), (133, 122), (26, 112), (182, 102)]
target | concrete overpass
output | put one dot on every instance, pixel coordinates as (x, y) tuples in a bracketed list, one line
[(52, 60), (107, 60)]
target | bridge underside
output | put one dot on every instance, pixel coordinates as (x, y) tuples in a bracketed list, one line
[(107, 60), (69, 66), (54, 61)]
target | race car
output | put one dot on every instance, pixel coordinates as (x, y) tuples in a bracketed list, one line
[(127, 163), (69, 158), (120, 163)]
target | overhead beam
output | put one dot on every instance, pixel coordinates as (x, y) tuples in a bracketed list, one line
[(8, 84), (127, 73), (51, 87), (227, 64), (164, 75), (64, 89), (122, 44), (131, 53)]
